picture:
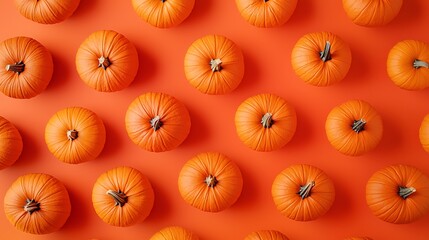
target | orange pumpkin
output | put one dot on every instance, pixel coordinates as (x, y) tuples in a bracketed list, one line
[(122, 197), (174, 233), (266, 13), (303, 192), (266, 235), (371, 13), (107, 61), (47, 11), (75, 135), (26, 67), (37, 203), (424, 133), (163, 13), (157, 122), (10, 143), (210, 182), (408, 64), (214, 65), (398, 194), (265, 122), (354, 128), (358, 238), (321, 58)]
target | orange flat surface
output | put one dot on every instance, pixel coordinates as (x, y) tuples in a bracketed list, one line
[(268, 70)]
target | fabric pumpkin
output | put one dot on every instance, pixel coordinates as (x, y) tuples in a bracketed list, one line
[(214, 65), (107, 61), (424, 133), (354, 128), (266, 13), (408, 63), (372, 13), (37, 203), (26, 67), (163, 13), (265, 122), (157, 122), (266, 235), (174, 233), (398, 194), (210, 182), (122, 197), (10, 143), (303, 192), (47, 11), (75, 135)]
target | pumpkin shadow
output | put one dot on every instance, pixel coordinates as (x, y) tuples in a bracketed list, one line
[(201, 8), (30, 150), (112, 145), (146, 71), (199, 130), (410, 13), (85, 8), (300, 16), (60, 75), (303, 131), (161, 206), (79, 213), (251, 73)]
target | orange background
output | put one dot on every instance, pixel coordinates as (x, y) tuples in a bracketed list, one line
[(268, 70)]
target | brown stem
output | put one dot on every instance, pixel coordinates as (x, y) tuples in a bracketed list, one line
[(119, 197), (405, 192), (156, 123), (216, 65), (104, 62), (325, 55), (419, 63), (266, 0), (31, 206), (267, 120), (18, 67), (163, 1), (211, 181), (72, 134), (305, 191), (358, 125)]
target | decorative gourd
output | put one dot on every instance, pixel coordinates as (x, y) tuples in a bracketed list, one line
[(266, 235), (107, 61), (26, 67), (122, 197), (358, 238), (354, 128), (157, 122), (265, 122), (75, 135), (174, 233), (372, 13), (424, 133), (303, 192), (37, 203), (47, 11), (398, 194), (210, 182), (10, 143), (266, 13), (163, 13), (214, 65), (408, 63), (321, 59)]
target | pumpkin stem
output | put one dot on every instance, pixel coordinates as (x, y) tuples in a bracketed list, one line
[(266, 0), (72, 134), (156, 123), (325, 55), (358, 125), (104, 62), (163, 1), (305, 191), (419, 63), (119, 197), (215, 65), (211, 181), (31, 206), (405, 192), (267, 120), (17, 67)]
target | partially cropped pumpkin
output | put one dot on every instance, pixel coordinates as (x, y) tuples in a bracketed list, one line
[(210, 182), (174, 233), (26, 67), (107, 61), (321, 58), (266, 235), (265, 122), (372, 13), (163, 13), (75, 135), (47, 11), (408, 65), (303, 192), (122, 197), (398, 194), (157, 122), (10, 143), (266, 13), (37, 203), (354, 128), (214, 65), (424, 133)]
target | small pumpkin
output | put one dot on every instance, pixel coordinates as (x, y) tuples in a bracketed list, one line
[(37, 203), (10, 143), (408, 65), (354, 128), (210, 182), (157, 122), (358, 238), (26, 67), (266, 235), (303, 192), (75, 135), (372, 13), (107, 61), (47, 11), (122, 197), (174, 233), (214, 65), (163, 13), (265, 122), (398, 194), (321, 58), (424, 133), (266, 13)]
